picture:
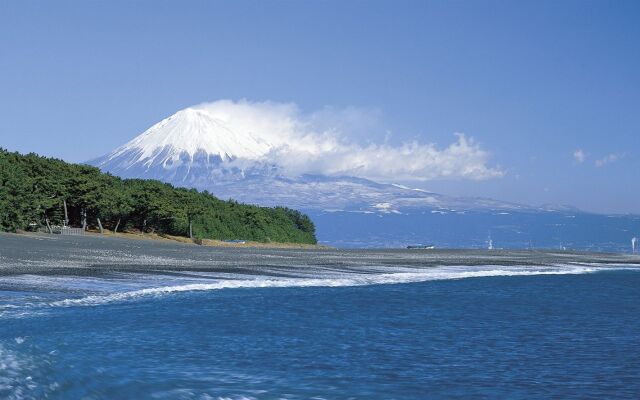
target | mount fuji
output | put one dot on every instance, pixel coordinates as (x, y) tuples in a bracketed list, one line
[(195, 148), (201, 149)]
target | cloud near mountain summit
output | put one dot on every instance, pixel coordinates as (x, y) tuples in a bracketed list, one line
[(323, 142)]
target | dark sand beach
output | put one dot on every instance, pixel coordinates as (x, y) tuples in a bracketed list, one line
[(94, 254)]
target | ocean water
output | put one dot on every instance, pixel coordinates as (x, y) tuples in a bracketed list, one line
[(119, 320), (472, 229)]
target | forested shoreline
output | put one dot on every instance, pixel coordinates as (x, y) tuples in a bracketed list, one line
[(39, 192)]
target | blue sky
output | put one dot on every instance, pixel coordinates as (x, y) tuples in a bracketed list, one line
[(551, 90)]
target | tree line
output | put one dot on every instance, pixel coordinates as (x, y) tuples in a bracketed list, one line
[(43, 192)]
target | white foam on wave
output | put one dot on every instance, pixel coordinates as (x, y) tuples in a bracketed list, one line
[(120, 287), (18, 378), (343, 280)]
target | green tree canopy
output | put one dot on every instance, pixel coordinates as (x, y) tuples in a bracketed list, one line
[(33, 190)]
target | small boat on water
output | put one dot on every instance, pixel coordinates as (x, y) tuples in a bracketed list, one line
[(421, 247)]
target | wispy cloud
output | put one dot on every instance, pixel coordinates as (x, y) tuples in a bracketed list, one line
[(579, 156), (329, 141), (608, 159)]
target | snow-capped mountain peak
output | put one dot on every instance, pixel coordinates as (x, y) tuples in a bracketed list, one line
[(187, 133)]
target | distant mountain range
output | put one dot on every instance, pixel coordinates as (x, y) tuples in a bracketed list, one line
[(195, 148)]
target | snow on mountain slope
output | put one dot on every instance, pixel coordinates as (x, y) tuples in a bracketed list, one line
[(349, 194), (185, 135)]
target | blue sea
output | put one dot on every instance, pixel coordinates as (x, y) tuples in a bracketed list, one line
[(330, 331)]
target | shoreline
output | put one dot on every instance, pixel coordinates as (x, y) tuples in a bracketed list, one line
[(214, 243), (154, 237)]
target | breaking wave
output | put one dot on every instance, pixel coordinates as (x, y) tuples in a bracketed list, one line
[(128, 287)]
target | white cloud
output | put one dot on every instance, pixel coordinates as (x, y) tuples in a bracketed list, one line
[(579, 156), (330, 141), (608, 159)]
